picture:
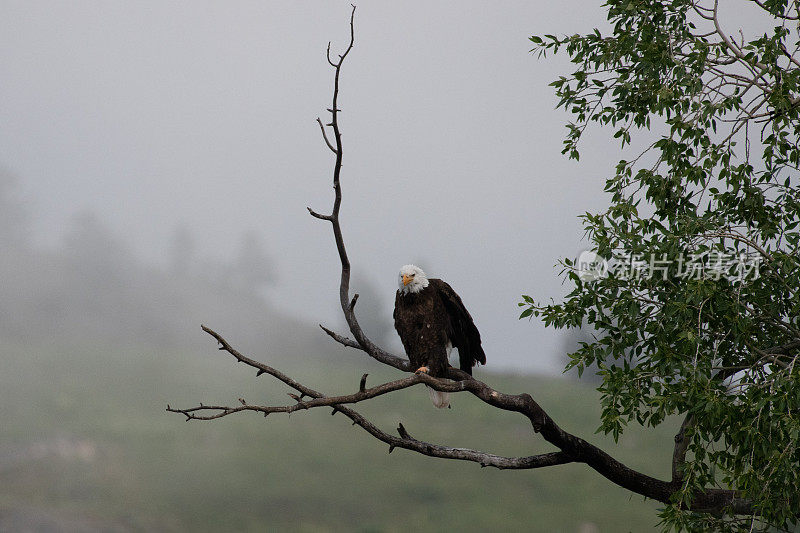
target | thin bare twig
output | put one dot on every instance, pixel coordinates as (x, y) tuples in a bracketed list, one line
[(325, 136)]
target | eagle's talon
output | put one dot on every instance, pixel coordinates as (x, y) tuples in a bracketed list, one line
[(422, 370)]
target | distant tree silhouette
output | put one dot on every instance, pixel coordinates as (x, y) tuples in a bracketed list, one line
[(14, 217), (252, 269)]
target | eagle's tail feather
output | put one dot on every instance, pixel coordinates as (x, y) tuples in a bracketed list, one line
[(440, 399)]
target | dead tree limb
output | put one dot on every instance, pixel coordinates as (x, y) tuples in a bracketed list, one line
[(317, 399), (571, 448)]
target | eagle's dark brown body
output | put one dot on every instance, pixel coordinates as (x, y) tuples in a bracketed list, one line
[(427, 320)]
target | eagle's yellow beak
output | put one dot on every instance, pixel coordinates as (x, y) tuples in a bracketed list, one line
[(406, 280)]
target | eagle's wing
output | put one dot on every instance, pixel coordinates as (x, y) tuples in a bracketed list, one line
[(461, 331)]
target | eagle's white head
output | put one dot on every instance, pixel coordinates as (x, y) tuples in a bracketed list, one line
[(411, 279)]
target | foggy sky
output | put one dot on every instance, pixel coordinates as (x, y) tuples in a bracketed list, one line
[(201, 115)]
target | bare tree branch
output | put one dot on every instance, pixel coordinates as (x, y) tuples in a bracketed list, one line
[(318, 215), (384, 357), (325, 136), (571, 448), (404, 441)]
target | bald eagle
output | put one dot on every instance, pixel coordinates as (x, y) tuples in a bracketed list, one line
[(431, 320)]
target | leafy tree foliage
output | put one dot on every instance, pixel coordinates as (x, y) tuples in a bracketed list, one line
[(717, 112)]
